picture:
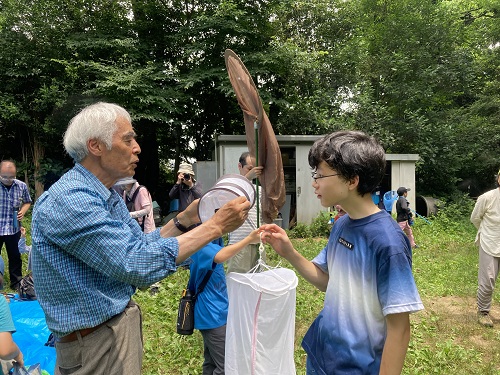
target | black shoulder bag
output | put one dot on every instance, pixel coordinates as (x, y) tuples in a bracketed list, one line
[(185, 314)]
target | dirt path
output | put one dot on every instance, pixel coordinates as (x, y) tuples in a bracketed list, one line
[(456, 318)]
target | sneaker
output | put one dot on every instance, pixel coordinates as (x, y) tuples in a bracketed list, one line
[(484, 319), (154, 289)]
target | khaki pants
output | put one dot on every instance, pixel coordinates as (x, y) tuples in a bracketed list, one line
[(245, 260), (114, 348), (487, 275)]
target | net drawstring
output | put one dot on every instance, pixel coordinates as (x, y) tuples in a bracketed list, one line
[(261, 264)]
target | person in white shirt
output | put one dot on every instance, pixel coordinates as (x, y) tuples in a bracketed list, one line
[(247, 258), (486, 218)]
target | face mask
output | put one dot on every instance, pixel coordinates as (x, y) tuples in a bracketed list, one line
[(6, 180)]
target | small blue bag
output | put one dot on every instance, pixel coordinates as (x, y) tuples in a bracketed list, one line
[(32, 370)]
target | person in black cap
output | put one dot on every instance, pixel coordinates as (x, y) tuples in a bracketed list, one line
[(404, 214)]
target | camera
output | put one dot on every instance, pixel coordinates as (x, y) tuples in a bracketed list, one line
[(187, 176)]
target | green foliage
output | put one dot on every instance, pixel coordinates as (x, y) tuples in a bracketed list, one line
[(51, 170), (300, 230), (442, 358), (453, 214), (320, 226), (422, 76)]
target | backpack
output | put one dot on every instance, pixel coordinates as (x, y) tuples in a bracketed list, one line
[(130, 204), (26, 288), (130, 200)]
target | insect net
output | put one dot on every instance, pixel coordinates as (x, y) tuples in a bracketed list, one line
[(260, 327)]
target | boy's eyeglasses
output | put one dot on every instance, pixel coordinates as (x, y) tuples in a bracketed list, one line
[(316, 177)]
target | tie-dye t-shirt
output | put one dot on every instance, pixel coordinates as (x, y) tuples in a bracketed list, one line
[(369, 265)]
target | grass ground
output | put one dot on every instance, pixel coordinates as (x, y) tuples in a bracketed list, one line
[(446, 338)]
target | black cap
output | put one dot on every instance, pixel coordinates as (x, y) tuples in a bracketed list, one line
[(402, 190)]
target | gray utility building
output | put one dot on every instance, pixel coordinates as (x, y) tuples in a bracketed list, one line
[(301, 203)]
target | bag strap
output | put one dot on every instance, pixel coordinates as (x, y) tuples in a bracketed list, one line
[(203, 283), (132, 200), (136, 192)]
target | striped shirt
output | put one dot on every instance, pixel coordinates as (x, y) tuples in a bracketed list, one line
[(249, 224), (15, 196), (89, 255)]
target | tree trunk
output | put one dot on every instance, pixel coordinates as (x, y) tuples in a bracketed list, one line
[(38, 154)]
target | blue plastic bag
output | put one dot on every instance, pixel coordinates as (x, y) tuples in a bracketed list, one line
[(32, 370), (32, 334)]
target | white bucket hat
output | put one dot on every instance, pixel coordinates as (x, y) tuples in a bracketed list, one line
[(186, 168)]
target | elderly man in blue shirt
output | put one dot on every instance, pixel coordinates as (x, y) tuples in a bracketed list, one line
[(89, 255)]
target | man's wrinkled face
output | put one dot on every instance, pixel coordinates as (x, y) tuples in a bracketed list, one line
[(122, 159)]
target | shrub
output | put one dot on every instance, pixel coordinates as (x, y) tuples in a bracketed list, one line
[(318, 228), (454, 215), (320, 225), (299, 231)]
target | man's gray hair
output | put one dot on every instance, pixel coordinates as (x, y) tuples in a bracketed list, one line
[(96, 121)]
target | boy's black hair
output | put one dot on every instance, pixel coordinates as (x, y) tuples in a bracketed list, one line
[(351, 154)]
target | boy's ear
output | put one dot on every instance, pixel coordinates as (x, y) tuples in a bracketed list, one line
[(353, 183)]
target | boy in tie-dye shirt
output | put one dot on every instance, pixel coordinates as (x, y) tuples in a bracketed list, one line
[(364, 270)]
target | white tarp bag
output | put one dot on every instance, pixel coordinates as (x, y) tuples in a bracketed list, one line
[(260, 327)]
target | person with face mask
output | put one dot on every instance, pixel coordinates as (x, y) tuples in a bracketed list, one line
[(15, 201)]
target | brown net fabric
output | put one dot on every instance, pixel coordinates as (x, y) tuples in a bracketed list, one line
[(272, 178)]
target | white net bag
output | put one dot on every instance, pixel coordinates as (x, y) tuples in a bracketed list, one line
[(261, 322)]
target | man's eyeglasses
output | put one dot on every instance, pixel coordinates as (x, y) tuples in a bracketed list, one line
[(316, 176), (7, 177)]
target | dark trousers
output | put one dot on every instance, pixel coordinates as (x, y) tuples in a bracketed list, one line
[(214, 342), (15, 261)]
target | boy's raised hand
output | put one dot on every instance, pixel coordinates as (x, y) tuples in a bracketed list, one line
[(255, 236)]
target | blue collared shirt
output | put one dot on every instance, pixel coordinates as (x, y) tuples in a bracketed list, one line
[(88, 255), (15, 196)]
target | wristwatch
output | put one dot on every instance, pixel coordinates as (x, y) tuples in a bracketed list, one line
[(181, 227)]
